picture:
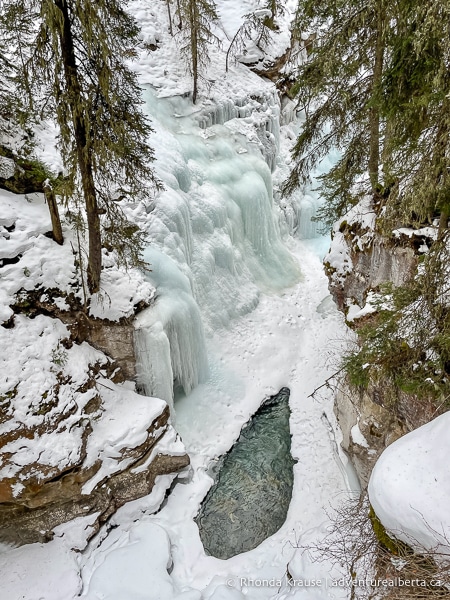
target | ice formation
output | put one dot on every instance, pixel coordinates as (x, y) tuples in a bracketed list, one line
[(169, 337), (214, 240)]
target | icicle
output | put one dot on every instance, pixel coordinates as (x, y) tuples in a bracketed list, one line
[(169, 338), (153, 363)]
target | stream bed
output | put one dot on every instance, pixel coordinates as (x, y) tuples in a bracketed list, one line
[(250, 498)]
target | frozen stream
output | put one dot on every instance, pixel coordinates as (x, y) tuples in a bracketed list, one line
[(288, 339), (242, 311), (229, 289)]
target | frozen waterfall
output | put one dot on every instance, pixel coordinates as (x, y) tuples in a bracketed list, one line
[(169, 339), (215, 243)]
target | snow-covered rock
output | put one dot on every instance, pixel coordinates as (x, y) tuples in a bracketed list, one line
[(410, 486), (7, 167), (72, 441), (360, 259)]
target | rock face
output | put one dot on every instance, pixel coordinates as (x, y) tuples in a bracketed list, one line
[(379, 263), (32, 506), (359, 261), (72, 442), (58, 501), (19, 175), (369, 424), (114, 339)]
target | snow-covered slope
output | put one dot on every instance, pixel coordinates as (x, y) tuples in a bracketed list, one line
[(66, 428)]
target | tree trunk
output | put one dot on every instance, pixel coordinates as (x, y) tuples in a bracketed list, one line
[(443, 223), (180, 23), (170, 17), (193, 15), (82, 149), (374, 116), (54, 213)]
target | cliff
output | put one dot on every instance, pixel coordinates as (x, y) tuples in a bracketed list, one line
[(364, 265), (75, 438)]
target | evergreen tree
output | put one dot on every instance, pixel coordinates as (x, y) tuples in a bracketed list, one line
[(276, 8), (376, 86), (338, 86), (15, 24), (256, 29), (416, 103), (197, 18), (79, 54)]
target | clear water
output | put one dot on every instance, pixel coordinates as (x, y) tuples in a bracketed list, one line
[(253, 488)]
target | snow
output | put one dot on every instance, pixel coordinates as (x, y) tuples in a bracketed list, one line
[(355, 312), (362, 214), (410, 486), (43, 382), (120, 291), (123, 425), (40, 571), (73, 533), (126, 572), (218, 242), (357, 436), (43, 263), (280, 343), (359, 222), (167, 72), (338, 257), (427, 232)]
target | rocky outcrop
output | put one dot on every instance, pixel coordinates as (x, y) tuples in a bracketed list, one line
[(370, 421), (73, 441), (75, 438), (7, 168), (39, 497), (275, 71), (116, 340), (380, 262), (367, 428), (59, 501), (20, 176), (360, 260)]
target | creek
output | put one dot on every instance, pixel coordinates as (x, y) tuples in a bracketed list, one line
[(242, 310), (253, 484)]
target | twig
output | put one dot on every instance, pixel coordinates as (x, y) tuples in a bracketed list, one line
[(326, 383)]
